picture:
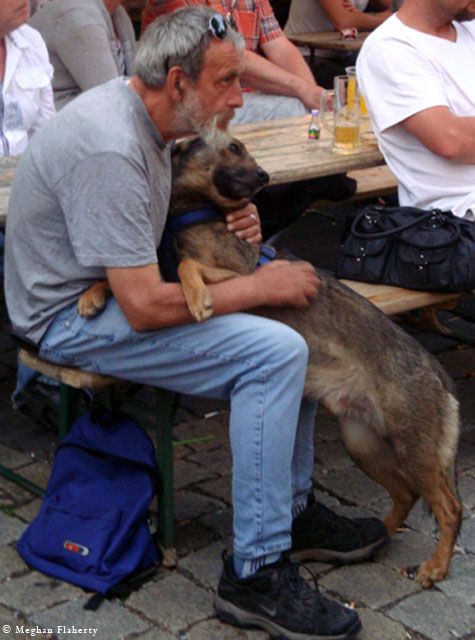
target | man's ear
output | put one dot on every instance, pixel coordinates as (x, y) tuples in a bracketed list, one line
[(176, 83)]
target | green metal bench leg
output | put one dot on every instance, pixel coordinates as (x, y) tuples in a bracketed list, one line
[(21, 481), (68, 408), (164, 405)]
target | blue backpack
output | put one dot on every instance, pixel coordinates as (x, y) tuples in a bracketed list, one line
[(92, 529)]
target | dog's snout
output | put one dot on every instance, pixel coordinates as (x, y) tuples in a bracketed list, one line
[(262, 175)]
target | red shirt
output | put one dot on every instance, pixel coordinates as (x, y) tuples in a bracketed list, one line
[(254, 18)]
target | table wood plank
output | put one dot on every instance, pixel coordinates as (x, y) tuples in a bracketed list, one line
[(283, 149), (329, 40)]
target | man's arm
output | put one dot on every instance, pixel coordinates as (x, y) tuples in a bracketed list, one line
[(343, 15), (293, 79), (149, 303), (444, 133)]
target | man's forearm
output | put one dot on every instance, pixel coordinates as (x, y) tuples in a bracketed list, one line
[(262, 75)]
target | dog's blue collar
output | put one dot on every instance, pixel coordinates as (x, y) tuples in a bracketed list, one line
[(266, 255), (190, 218)]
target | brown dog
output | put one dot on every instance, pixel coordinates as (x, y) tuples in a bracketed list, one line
[(398, 416)]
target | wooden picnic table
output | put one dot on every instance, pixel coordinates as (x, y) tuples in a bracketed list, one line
[(283, 149), (329, 41)]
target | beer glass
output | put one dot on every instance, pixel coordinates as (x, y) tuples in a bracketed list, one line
[(351, 71), (346, 115)]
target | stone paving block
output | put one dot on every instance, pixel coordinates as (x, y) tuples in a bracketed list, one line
[(217, 460), (465, 456), (6, 501), (12, 458), (326, 428), (28, 511), (112, 620), (407, 549), (39, 473), (332, 456), (372, 584), (377, 626), (220, 522), (219, 488), (190, 536), (14, 623), (35, 592), (435, 615), (158, 634), (466, 488), (205, 565), (216, 427), (186, 473), (351, 484), (216, 630), (10, 528), (466, 538), (460, 583), (10, 562), (174, 602), (189, 504), (14, 491), (467, 400)]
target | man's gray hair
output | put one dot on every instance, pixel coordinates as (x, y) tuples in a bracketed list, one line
[(180, 38)]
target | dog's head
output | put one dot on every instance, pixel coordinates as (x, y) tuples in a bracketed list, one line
[(224, 176)]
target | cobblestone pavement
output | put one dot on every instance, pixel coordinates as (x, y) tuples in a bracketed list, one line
[(178, 604)]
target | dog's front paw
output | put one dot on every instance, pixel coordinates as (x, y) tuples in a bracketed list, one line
[(92, 301), (200, 304)]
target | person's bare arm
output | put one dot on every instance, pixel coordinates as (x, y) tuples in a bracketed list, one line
[(266, 76), (444, 133), (343, 15), (149, 303)]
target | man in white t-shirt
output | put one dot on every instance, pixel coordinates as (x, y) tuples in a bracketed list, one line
[(417, 74)]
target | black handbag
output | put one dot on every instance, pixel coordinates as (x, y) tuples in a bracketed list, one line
[(408, 247)]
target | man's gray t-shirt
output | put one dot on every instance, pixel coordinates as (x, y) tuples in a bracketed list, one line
[(91, 191)]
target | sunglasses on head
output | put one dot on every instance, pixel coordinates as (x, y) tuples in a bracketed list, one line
[(218, 25)]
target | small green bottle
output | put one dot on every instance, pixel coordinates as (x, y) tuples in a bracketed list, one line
[(314, 127)]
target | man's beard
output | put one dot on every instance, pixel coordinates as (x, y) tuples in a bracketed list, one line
[(464, 16), (190, 117)]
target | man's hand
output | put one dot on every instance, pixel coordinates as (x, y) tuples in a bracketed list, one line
[(284, 283), (311, 95), (246, 224)]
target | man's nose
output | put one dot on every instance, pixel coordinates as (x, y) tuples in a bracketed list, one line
[(235, 96)]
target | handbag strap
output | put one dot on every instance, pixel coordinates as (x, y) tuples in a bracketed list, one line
[(384, 234)]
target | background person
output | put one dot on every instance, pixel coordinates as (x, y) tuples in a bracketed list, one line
[(416, 73), (89, 42), (330, 15), (26, 97), (90, 201)]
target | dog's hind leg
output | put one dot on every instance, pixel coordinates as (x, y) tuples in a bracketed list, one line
[(448, 513), (374, 455)]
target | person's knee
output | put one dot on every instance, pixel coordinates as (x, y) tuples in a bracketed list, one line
[(286, 347)]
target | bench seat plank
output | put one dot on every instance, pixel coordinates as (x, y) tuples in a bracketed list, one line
[(76, 378), (393, 300)]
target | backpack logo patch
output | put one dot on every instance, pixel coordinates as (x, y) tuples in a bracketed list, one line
[(74, 547)]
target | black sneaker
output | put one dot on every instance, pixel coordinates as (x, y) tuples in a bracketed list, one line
[(279, 600), (320, 534)]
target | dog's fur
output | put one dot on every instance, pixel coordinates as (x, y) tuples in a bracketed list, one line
[(398, 415)]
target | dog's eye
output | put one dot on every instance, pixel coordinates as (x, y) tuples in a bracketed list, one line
[(232, 146)]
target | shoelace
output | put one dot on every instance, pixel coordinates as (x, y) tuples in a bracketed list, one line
[(293, 584)]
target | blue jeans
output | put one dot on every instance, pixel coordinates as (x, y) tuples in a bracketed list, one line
[(256, 363)]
